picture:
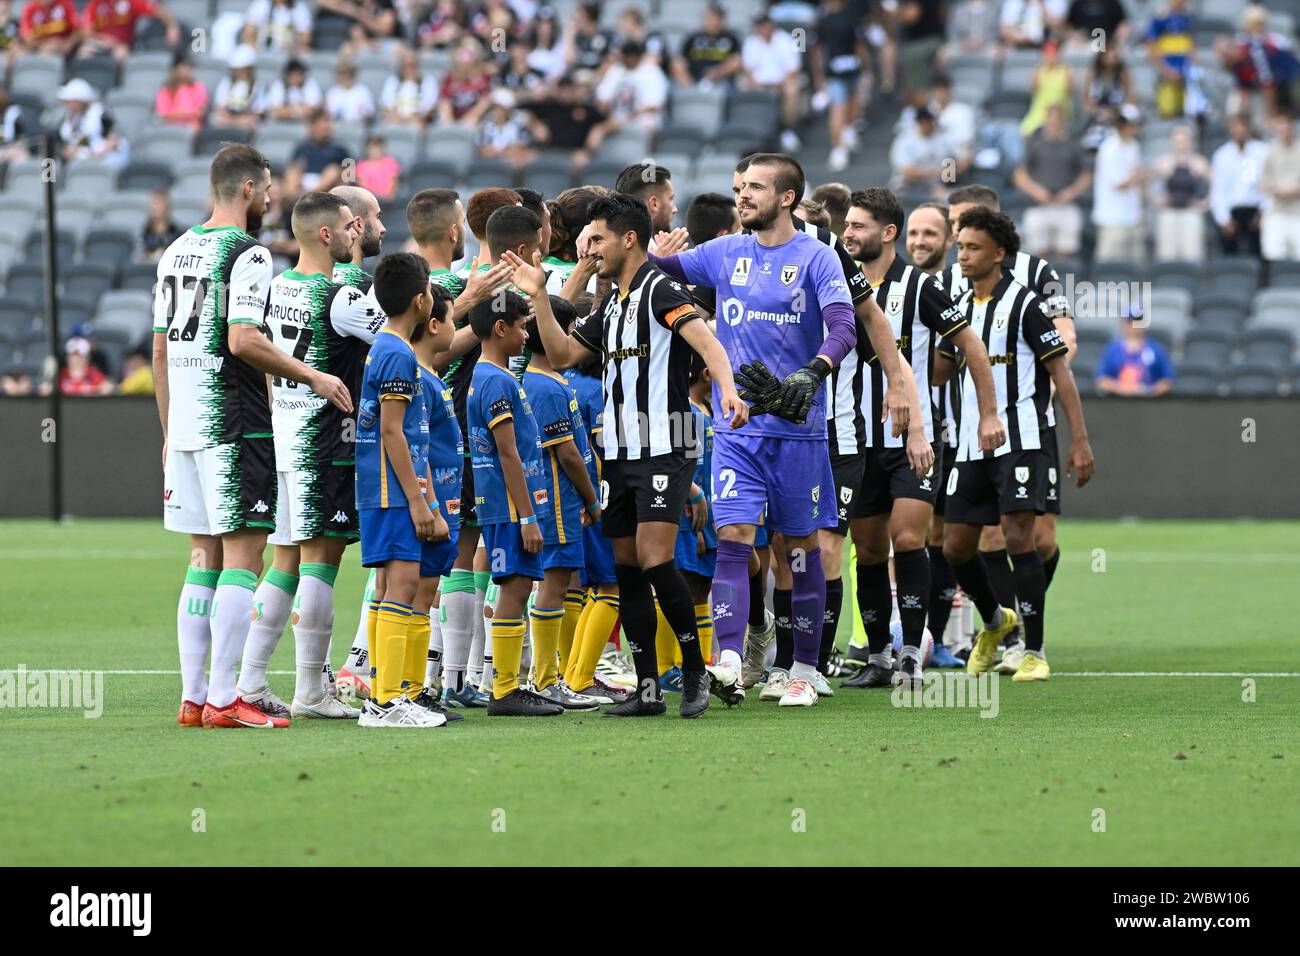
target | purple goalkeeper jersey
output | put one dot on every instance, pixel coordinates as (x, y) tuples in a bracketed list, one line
[(770, 304)]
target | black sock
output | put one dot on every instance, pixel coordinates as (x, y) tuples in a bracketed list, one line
[(1031, 589), (1049, 566), (757, 600), (637, 613), (875, 604), (912, 572), (784, 629), (943, 589), (831, 622), (679, 611), (973, 577), (998, 568)]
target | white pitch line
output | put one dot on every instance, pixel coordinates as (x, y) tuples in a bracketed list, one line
[(151, 673)]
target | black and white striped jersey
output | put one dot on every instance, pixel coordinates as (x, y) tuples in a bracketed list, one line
[(1021, 339), (1032, 272), (946, 398), (647, 366)]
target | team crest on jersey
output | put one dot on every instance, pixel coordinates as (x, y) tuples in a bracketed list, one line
[(846, 494), (816, 493), (740, 274), (894, 302), (789, 274), (1000, 321), (1022, 475), (659, 482)]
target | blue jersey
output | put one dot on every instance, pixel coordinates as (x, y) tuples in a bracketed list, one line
[(770, 301), (703, 471), (495, 396), (591, 403), (446, 449), (555, 407), (392, 373)]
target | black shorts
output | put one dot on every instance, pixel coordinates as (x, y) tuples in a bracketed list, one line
[(887, 476), (468, 516), (949, 463), (982, 491), (847, 470), (651, 489), (1052, 505)]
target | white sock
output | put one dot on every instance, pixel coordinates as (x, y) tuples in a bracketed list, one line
[(490, 597), (730, 659), (232, 615), (358, 661), (474, 669), (193, 632), (433, 670), (806, 672), (311, 633), (272, 602), (327, 670), (456, 611)]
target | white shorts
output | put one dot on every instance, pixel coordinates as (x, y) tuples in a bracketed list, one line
[(214, 491), (310, 505)]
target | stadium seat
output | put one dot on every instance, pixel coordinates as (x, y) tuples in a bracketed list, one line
[(127, 311), (111, 247), (1197, 379), (972, 76), (27, 177), (329, 33), (1180, 275), (191, 183), (25, 283), (89, 179), (125, 210), (15, 318), (1007, 105), (1208, 347), (277, 142), (99, 72), (403, 142), (209, 139), (713, 174), (431, 174), (601, 171), (34, 347), (65, 246), (1112, 271), (210, 72), (1018, 69), (93, 280), (1284, 275), (1222, 310), (38, 73), (1274, 306), (699, 108), (137, 276), (739, 139), (74, 313), (451, 144), (1170, 310), (151, 34), (1271, 348), (678, 138), (550, 174), (755, 109), (1234, 274), (486, 173), (164, 145), (145, 175), (1254, 381), (113, 344)]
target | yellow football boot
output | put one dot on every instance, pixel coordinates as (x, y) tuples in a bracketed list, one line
[(987, 641), (1033, 668)]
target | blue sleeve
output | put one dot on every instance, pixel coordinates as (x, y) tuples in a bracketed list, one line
[(395, 374), (1109, 365), (551, 409), (1163, 368), (498, 404), (696, 266), (829, 284)]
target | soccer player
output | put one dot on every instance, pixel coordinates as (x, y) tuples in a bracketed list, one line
[(566, 456), (782, 297), (396, 499), (644, 328), (329, 326), (1008, 485), (653, 185), (1037, 275), (568, 220), (512, 497), (210, 359), (893, 497)]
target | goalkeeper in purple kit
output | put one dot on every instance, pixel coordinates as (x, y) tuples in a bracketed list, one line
[(782, 303)]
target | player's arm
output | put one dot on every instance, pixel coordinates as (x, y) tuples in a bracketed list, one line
[(1080, 462), (355, 314), (991, 432), (512, 469), (478, 288), (562, 350), (948, 361), (576, 284), (701, 338), (440, 530), (162, 305), (392, 412), (570, 459), (920, 454)]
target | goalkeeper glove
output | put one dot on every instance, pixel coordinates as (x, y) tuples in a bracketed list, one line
[(799, 389), (759, 387)]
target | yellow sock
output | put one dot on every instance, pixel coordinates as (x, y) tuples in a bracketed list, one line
[(546, 624), (704, 624), (507, 648), (601, 617), (574, 600), (372, 631), (667, 649), (416, 658), (390, 636)]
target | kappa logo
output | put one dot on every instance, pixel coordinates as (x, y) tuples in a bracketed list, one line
[(925, 483), (340, 517), (1022, 474), (659, 482), (740, 274), (261, 507), (789, 274)]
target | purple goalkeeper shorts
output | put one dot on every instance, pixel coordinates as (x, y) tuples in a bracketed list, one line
[(792, 476)]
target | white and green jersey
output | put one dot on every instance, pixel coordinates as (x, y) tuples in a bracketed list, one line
[(329, 327), (208, 280), (558, 272)]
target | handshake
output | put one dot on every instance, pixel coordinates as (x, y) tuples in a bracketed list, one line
[(791, 398)]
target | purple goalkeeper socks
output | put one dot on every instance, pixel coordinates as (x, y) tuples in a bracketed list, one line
[(731, 595), (807, 604)]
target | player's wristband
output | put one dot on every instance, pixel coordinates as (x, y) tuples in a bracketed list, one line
[(593, 508), (524, 522), (698, 498)]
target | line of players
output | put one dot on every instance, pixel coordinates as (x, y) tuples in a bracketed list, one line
[(533, 487)]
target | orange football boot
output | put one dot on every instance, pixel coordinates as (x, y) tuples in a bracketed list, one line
[(191, 714), (240, 714)]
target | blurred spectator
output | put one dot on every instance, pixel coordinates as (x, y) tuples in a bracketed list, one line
[(379, 171), (1054, 174), (239, 98), (710, 56), (773, 62), (160, 230), (137, 374), (586, 45), (1263, 65), (283, 25), (1180, 222), (409, 95), (973, 27), (547, 54), (567, 120), (493, 22), (17, 382), (957, 120), (835, 197), (921, 155), (463, 97), (1117, 194), (810, 210), (86, 128), (920, 32), (12, 128), (632, 26), (633, 91), (10, 31), (295, 95), (839, 57), (108, 26), (1280, 181), (347, 100), (1091, 21), (275, 233), (1134, 365), (78, 376), (503, 132), (1051, 86), (371, 20), (49, 26), (1235, 196), (445, 24), (1171, 45), (183, 99), (317, 162), (1109, 88), (517, 74), (1030, 23)]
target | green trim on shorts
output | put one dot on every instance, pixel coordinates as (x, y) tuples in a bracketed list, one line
[(259, 524), (320, 571), (481, 580), (345, 535), (350, 463), (286, 582), (259, 434), (459, 581), (240, 577), (203, 577)]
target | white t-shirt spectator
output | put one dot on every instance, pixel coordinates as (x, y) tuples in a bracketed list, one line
[(308, 95), (550, 63), (769, 63), (278, 27), (629, 91), (1234, 178), (1031, 16), (1117, 160), (239, 96), (409, 97), (913, 149), (352, 104), (957, 124)]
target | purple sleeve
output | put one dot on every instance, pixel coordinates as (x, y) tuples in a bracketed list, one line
[(694, 266), (841, 334)]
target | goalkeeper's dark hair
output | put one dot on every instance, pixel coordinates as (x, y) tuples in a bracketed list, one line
[(789, 174), (399, 278), (565, 314), (503, 304), (996, 225)]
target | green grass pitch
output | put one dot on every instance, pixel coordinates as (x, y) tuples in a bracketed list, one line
[(1185, 770)]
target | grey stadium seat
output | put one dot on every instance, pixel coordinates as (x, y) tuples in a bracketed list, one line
[(138, 276), (25, 283), (488, 173), (699, 108), (100, 73), (972, 76), (1221, 310), (1179, 275), (403, 142), (550, 174), (1207, 347), (1272, 348), (454, 144), (112, 247), (1276, 307), (1255, 380), (164, 144), (1197, 379), (146, 175), (39, 73)]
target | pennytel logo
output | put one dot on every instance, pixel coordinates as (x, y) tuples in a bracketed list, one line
[(75, 909)]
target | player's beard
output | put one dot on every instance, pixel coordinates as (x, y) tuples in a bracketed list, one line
[(925, 265), (458, 250), (371, 243), (340, 248), (253, 220), (756, 220), (869, 250)]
